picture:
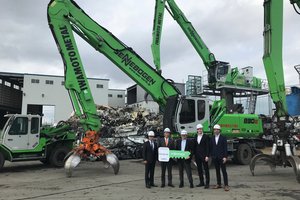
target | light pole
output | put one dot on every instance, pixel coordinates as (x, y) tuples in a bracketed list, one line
[(297, 68)]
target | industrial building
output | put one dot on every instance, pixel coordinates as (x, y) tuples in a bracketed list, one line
[(293, 101), (28, 93)]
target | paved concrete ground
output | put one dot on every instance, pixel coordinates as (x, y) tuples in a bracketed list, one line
[(90, 180)]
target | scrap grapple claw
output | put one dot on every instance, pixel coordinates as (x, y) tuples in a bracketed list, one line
[(71, 164), (295, 162), (271, 160), (90, 146), (278, 160), (113, 161)]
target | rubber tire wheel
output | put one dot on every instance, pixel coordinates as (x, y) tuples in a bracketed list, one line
[(244, 154), (57, 156), (2, 160)]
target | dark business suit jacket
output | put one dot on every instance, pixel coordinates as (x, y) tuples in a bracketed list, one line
[(162, 143), (218, 150), (149, 155), (188, 147), (201, 150)]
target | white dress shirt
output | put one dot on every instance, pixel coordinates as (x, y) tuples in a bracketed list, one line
[(217, 138), (183, 143), (199, 138)]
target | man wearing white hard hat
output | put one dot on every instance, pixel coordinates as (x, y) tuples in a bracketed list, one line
[(150, 159), (167, 141), (185, 145), (201, 152), (219, 155)]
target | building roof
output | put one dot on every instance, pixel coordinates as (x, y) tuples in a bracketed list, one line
[(18, 78), (15, 78)]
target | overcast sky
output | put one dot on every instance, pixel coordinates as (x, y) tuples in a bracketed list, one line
[(232, 29)]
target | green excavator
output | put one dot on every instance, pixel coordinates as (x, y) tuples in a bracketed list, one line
[(283, 127)]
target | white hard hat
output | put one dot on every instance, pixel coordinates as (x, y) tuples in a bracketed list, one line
[(183, 132), (199, 126), (167, 130), (217, 127), (151, 133)]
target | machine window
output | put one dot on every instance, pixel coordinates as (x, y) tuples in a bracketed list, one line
[(201, 109), (19, 126), (222, 70), (187, 114), (34, 125)]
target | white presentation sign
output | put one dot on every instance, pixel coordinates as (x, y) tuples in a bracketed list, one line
[(163, 154)]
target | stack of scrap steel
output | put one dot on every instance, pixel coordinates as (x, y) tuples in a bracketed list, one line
[(123, 130)]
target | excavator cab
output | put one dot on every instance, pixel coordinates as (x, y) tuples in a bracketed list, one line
[(217, 72), (186, 112), (21, 132), (192, 111)]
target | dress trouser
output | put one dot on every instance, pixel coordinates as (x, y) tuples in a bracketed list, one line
[(219, 164), (183, 164), (199, 163), (165, 165), (149, 169)]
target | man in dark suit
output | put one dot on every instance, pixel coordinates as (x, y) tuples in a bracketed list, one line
[(201, 152), (166, 142), (150, 159), (185, 145), (219, 155)]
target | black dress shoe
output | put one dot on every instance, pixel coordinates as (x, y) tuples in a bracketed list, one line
[(171, 185), (206, 186), (153, 185), (200, 184), (162, 185), (148, 186), (192, 185), (181, 185)]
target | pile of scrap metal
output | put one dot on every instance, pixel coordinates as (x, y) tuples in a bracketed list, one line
[(269, 124), (123, 130)]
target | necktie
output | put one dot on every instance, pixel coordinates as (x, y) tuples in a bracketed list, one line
[(166, 142), (152, 146)]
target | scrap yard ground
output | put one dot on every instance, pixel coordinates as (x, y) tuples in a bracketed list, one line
[(90, 180)]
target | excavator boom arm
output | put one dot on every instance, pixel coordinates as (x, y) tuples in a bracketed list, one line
[(157, 30), (272, 58), (75, 79), (65, 16), (187, 27)]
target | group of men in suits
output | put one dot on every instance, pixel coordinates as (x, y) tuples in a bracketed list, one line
[(201, 147)]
